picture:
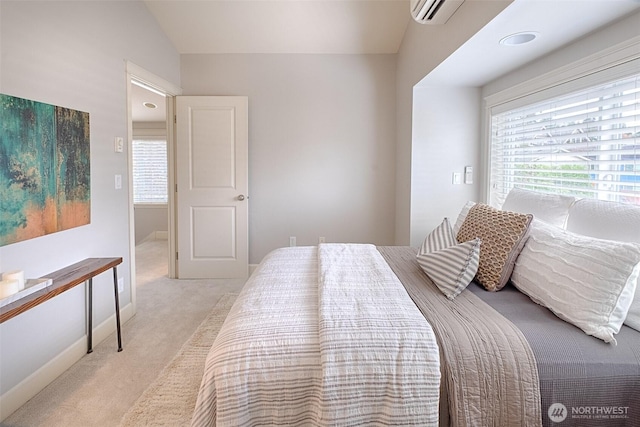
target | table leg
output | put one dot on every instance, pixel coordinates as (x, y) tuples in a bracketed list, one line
[(115, 288), (90, 326)]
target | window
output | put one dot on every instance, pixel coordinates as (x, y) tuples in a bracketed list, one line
[(149, 170), (585, 144)]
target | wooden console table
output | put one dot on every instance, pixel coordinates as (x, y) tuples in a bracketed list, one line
[(65, 279)]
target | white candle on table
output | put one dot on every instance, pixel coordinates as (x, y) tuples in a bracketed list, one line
[(9, 287), (15, 275)]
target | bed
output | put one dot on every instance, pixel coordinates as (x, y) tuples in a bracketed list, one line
[(354, 334)]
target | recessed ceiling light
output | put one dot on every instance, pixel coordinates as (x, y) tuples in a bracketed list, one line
[(519, 38), (149, 105)]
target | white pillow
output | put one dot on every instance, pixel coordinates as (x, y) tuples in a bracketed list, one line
[(612, 221), (550, 208), (461, 217), (451, 266), (586, 281), (605, 220)]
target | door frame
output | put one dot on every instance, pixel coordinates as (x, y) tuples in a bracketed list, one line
[(156, 83)]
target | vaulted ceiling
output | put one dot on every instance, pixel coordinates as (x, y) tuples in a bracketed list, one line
[(349, 26), (283, 26), (377, 27)]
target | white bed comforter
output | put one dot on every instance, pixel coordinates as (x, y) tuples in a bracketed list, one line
[(322, 336)]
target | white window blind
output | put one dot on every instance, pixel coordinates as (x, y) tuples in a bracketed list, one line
[(586, 144), (149, 171)]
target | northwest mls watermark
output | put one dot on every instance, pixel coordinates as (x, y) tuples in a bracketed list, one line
[(558, 412)]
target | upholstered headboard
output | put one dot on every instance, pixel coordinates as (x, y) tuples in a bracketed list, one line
[(588, 217), (605, 220), (595, 218)]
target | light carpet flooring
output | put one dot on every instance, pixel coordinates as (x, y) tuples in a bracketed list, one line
[(100, 388), (171, 399)]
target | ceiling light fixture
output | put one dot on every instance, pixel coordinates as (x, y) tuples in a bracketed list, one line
[(519, 38), (149, 105)]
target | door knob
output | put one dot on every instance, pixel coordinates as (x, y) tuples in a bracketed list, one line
[(241, 197)]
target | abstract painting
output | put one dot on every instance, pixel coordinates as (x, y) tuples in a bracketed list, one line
[(44, 169)]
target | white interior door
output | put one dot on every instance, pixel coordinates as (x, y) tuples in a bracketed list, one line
[(211, 177)]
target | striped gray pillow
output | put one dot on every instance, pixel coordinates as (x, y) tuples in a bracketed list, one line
[(449, 264)]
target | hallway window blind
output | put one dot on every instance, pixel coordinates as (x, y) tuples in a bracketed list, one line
[(149, 171), (586, 144)]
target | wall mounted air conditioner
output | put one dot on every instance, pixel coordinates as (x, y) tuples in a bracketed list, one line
[(434, 11)]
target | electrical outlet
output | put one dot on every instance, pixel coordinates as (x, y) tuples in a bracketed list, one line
[(292, 241), (320, 239), (121, 285)]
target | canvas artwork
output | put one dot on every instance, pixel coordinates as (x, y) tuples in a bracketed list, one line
[(44, 169)]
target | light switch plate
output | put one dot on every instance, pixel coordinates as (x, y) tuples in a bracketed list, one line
[(468, 175), (118, 182), (457, 178)]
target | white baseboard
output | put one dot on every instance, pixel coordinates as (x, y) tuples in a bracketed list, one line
[(252, 268), (36, 382), (162, 235), (156, 235)]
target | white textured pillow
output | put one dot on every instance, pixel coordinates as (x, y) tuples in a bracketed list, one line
[(451, 266), (550, 208), (586, 281), (611, 221)]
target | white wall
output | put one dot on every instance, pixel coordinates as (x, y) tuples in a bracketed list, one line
[(73, 54), (149, 219), (414, 63), (446, 138), (321, 143)]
